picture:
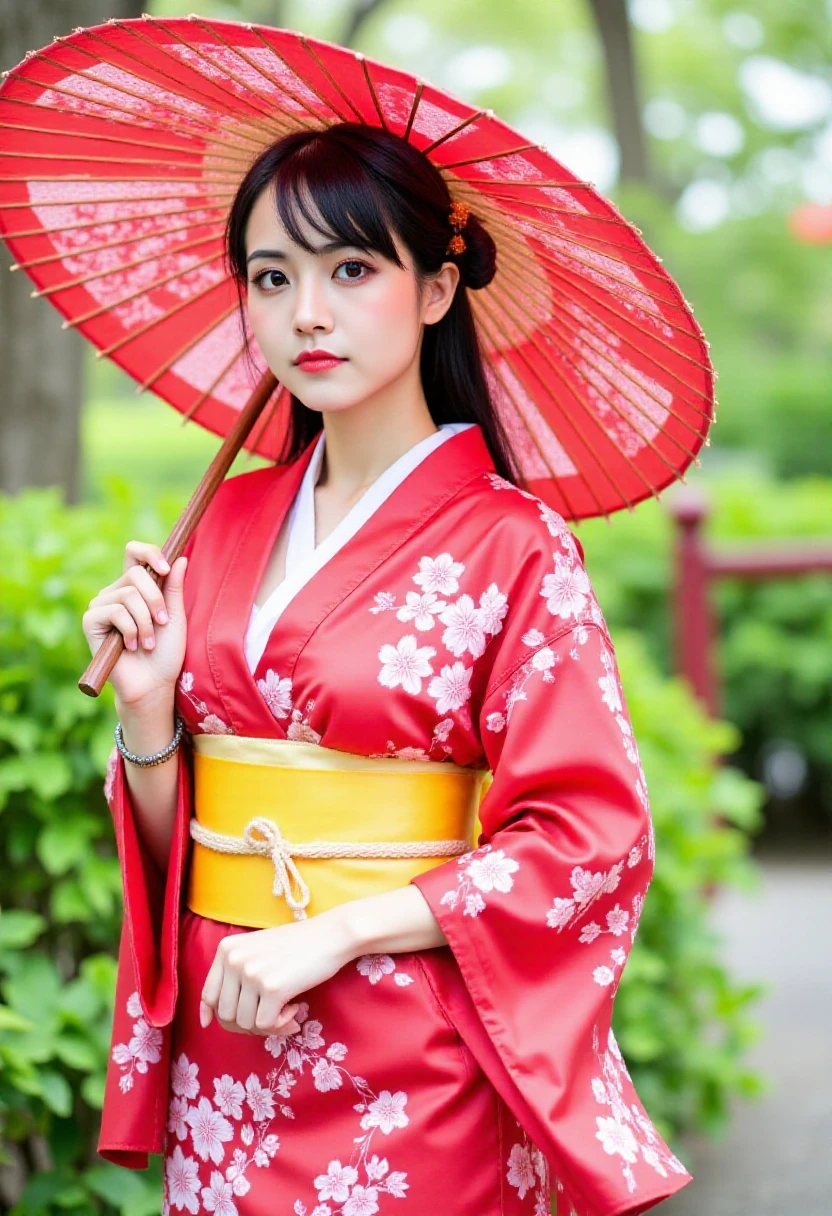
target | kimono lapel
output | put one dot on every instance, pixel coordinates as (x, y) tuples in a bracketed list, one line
[(245, 708), (422, 493)]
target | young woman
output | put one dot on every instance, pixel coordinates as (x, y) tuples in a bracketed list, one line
[(374, 625)]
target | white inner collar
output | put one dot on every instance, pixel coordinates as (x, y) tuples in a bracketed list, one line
[(303, 559)]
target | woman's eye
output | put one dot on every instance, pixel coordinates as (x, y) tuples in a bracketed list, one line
[(351, 266), (269, 278)]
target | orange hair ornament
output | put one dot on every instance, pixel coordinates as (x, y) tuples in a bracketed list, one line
[(458, 218)]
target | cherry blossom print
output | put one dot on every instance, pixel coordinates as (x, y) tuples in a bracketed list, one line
[(405, 664), (617, 920), (277, 693), (177, 1123), (219, 1196), (567, 591), (587, 888), (213, 1128), (612, 696), (464, 632), (485, 870), (228, 1096), (557, 526), (336, 1182), (520, 1172), (183, 1077), (182, 1181), (110, 778), (605, 975), (299, 730), (211, 723), (144, 1047), (439, 574), (626, 1132), (451, 688), (555, 523), (542, 661), (384, 601), (421, 609), (492, 609), (342, 1182), (209, 1131), (527, 1170), (438, 744), (493, 871), (468, 627), (376, 966), (387, 1112)]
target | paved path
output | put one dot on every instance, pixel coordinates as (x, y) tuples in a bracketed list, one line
[(776, 1159)]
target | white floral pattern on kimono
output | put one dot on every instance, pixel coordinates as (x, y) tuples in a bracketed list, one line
[(486, 870), (144, 1047), (232, 1129), (468, 629), (211, 724), (625, 1132), (376, 966), (528, 1170)]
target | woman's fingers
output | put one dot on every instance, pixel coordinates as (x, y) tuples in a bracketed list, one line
[(113, 616), (141, 553), (150, 592), (247, 1008), (229, 997)]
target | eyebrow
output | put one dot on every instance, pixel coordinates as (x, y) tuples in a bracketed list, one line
[(278, 255)]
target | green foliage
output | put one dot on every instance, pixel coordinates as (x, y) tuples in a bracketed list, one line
[(775, 636), (680, 1022), (60, 889)]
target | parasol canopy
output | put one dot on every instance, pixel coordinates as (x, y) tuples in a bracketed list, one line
[(121, 149)]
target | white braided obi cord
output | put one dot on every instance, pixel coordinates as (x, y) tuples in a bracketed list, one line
[(263, 838)]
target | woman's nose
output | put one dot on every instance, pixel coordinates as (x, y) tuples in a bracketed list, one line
[(312, 309)]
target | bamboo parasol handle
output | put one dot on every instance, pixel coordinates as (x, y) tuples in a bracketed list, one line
[(106, 657)]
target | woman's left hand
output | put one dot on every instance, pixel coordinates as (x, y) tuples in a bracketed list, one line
[(255, 975)]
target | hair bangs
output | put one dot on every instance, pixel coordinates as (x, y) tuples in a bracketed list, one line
[(334, 192)]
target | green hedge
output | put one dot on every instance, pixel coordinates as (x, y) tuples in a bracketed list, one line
[(681, 1021), (774, 651)]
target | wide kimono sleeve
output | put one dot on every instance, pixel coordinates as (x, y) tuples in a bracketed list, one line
[(135, 1097), (541, 916)]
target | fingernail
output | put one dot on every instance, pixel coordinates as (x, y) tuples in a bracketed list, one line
[(162, 618), (203, 1016), (164, 566)]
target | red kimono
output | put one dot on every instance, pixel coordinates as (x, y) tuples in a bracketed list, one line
[(476, 1079)]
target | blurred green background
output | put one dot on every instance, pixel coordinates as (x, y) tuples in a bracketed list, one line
[(709, 123)]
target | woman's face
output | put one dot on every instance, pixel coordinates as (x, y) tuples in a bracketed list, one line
[(356, 305)]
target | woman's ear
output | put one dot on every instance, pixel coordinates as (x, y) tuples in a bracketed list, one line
[(439, 293)]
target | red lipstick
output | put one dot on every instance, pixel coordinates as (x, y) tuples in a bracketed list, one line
[(317, 360)]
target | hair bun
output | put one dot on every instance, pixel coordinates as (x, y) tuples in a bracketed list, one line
[(478, 264)]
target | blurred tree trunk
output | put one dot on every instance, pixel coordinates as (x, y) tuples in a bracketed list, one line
[(42, 365), (358, 12), (622, 87)]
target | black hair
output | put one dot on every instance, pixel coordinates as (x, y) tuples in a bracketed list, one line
[(365, 181)]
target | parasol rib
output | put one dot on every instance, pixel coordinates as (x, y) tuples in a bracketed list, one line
[(107, 655)]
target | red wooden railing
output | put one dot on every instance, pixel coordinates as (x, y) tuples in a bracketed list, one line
[(699, 564)]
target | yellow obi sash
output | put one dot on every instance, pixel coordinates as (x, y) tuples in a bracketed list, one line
[(262, 806)]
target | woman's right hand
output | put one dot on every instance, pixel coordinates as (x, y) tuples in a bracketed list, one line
[(154, 647)]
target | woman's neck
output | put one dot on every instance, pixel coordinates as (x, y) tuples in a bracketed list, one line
[(362, 442)]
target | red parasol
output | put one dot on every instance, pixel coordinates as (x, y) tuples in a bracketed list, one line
[(121, 148)]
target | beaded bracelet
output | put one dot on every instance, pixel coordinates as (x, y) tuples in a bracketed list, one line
[(156, 757)]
